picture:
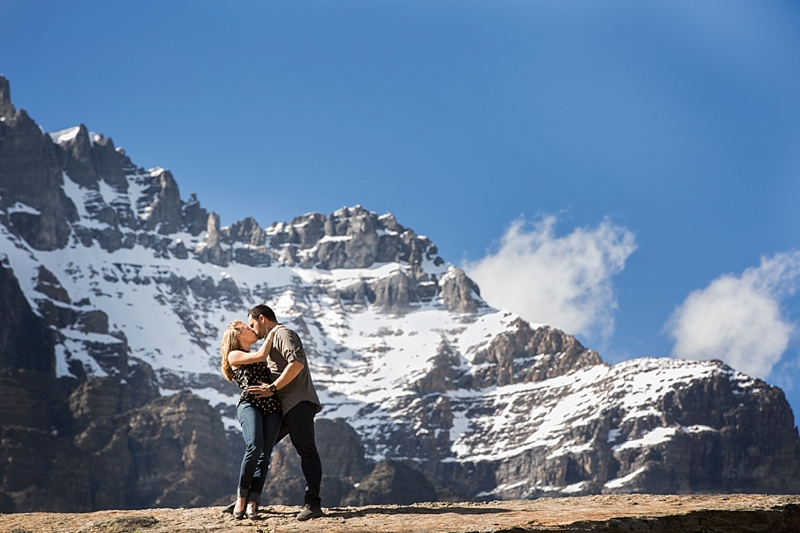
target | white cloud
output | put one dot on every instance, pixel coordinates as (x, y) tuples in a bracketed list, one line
[(561, 281), (738, 319)]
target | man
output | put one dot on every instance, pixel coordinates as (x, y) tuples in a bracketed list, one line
[(299, 400)]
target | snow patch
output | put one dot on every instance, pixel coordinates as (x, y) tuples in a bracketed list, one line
[(65, 135), (22, 208), (622, 481), (651, 438)]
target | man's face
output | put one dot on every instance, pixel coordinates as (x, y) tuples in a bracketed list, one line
[(259, 325)]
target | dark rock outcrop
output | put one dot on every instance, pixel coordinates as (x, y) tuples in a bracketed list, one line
[(105, 397), (25, 342), (7, 110), (108, 442), (343, 464), (210, 250), (393, 482), (81, 165), (32, 172), (394, 294), (459, 293), (350, 479), (30, 183), (529, 355), (163, 211), (167, 453), (248, 242), (745, 440), (341, 449), (193, 217), (109, 162), (348, 238), (90, 160)]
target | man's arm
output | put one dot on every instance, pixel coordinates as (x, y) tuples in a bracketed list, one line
[(289, 373), (290, 350)]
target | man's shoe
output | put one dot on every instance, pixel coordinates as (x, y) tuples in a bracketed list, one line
[(309, 511)]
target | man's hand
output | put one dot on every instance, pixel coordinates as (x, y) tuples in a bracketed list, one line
[(260, 390)]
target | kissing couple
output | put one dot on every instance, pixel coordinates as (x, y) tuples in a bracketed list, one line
[(278, 399)]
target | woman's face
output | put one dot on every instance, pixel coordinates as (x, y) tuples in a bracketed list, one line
[(247, 335)]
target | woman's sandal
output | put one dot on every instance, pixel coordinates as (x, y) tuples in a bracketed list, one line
[(254, 515)]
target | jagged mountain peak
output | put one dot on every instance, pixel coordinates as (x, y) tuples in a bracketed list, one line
[(7, 110)]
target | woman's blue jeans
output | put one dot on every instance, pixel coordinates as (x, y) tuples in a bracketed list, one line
[(259, 432)]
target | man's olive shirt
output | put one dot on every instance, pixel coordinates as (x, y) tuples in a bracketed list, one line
[(286, 347)]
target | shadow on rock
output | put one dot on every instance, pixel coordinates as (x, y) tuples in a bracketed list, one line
[(345, 512)]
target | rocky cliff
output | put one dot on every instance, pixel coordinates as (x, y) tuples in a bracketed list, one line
[(115, 291), (100, 442)]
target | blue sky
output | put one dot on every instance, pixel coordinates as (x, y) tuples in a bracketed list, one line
[(633, 165)]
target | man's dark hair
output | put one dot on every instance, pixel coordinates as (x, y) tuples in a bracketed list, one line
[(263, 310)]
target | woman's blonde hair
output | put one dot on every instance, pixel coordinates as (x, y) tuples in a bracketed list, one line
[(229, 343)]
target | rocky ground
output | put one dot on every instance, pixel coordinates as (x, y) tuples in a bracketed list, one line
[(618, 513)]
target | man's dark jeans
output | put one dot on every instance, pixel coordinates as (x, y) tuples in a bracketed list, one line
[(298, 423)]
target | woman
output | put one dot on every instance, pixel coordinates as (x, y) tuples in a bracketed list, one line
[(260, 418)]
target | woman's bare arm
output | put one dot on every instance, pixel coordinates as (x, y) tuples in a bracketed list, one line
[(238, 358)]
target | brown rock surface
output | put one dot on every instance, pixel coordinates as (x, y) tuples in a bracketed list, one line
[(618, 513)]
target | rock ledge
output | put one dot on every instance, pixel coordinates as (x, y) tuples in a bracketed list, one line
[(618, 513)]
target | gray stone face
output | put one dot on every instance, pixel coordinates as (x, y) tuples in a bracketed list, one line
[(110, 444), (32, 170), (394, 294), (392, 482), (110, 164), (246, 231), (81, 165), (247, 240), (165, 208), (341, 448), (459, 293), (30, 173), (210, 251), (509, 355), (7, 110), (444, 375), (179, 251), (308, 229), (102, 443), (349, 238), (193, 217), (26, 344), (179, 441), (57, 469), (98, 398), (47, 283), (359, 294), (353, 240), (358, 238), (344, 465), (719, 460)]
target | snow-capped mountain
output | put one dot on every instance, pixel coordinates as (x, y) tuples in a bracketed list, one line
[(127, 275)]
